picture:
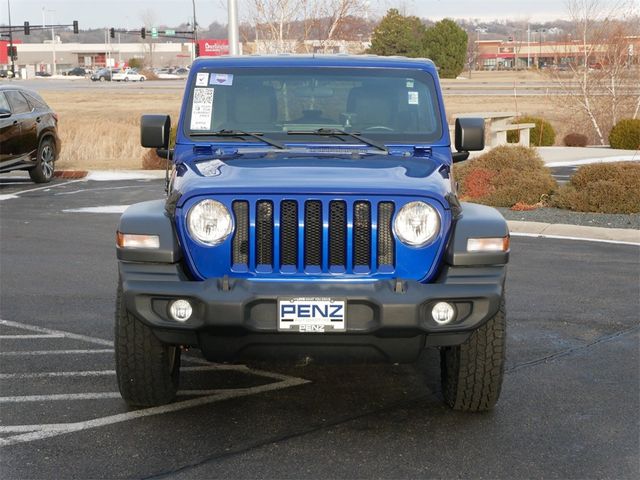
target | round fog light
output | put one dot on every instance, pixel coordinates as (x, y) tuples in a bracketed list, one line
[(180, 310), (443, 312)]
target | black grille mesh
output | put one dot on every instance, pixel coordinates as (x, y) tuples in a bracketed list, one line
[(362, 234), (337, 233), (385, 236), (289, 232), (264, 233), (313, 233), (240, 247)]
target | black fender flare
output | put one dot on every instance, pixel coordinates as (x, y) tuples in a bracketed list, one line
[(476, 221), (150, 218)]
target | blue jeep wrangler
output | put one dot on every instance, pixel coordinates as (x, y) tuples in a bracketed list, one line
[(312, 211)]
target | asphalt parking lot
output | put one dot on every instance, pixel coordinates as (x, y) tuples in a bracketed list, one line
[(570, 406)]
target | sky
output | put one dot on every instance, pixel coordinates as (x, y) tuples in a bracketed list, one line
[(129, 13)]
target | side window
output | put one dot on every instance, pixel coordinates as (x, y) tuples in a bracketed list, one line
[(35, 102), (17, 101), (4, 105)]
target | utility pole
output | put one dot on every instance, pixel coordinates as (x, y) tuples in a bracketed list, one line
[(13, 65), (195, 30), (232, 7)]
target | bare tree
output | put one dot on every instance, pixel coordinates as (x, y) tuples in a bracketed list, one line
[(602, 86), (274, 20), (148, 18)]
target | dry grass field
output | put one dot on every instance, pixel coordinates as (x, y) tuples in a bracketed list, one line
[(100, 131)]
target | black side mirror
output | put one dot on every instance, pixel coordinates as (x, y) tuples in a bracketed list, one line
[(469, 137), (155, 131)]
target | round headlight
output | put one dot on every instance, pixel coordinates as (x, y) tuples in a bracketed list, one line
[(416, 224), (209, 222)]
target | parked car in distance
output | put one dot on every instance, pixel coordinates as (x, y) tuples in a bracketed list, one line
[(28, 133), (5, 73), (102, 75), (76, 72), (43, 74), (128, 75)]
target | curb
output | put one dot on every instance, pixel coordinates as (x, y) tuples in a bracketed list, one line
[(627, 236)]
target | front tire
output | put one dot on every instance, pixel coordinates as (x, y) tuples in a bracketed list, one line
[(45, 163), (472, 373), (147, 370)]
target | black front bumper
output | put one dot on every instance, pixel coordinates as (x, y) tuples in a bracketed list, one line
[(234, 317)]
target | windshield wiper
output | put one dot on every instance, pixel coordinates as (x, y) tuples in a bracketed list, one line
[(336, 132), (239, 133)]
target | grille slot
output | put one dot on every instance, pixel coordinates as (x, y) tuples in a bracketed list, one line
[(362, 234), (289, 232), (337, 233), (386, 246), (240, 246), (264, 233), (313, 233)]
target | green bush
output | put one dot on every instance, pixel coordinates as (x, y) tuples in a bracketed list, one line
[(626, 134), (602, 188), (542, 135), (505, 176), (575, 140)]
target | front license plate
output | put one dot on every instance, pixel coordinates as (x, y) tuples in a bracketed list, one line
[(312, 314)]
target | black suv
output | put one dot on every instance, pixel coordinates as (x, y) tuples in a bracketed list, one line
[(28, 133)]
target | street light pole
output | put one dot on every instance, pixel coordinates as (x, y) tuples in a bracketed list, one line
[(195, 30), (13, 65), (232, 7)]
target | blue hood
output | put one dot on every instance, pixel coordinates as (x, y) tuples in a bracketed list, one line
[(297, 173)]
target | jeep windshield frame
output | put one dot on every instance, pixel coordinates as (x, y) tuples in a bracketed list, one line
[(384, 105)]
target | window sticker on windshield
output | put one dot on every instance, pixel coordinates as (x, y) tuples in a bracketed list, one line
[(413, 98), (221, 79), (202, 108), (202, 79), (409, 82)]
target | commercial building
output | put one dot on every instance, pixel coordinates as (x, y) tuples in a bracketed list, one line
[(501, 54)]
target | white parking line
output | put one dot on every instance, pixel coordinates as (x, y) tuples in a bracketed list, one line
[(91, 373), (30, 337), (39, 432), (29, 433), (75, 336), (47, 187), (28, 353)]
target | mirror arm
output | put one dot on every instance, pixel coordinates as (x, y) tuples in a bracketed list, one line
[(459, 156)]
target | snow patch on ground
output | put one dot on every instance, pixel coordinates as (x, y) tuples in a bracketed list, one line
[(587, 161), (101, 209), (115, 175)]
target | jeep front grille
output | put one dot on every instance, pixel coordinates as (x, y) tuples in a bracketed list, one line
[(313, 236)]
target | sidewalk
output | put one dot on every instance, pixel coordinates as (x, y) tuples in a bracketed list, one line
[(574, 156), (560, 230)]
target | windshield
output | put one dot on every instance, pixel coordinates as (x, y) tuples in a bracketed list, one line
[(389, 105)]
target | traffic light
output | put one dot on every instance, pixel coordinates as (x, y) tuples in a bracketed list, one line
[(12, 52), (27, 28), (75, 26), (143, 32), (112, 32)]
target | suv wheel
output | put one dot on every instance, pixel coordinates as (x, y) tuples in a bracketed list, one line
[(102, 79), (147, 370), (45, 163), (471, 373)]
